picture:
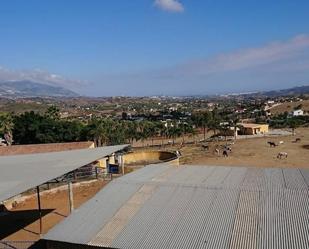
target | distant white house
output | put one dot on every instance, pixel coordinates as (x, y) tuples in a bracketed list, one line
[(297, 113)]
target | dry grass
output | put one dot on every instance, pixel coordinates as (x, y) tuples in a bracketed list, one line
[(254, 152), (289, 106)]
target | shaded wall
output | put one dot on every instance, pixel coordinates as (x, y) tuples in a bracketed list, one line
[(140, 157)]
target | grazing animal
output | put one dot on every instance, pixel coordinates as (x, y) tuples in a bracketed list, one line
[(226, 146), (272, 144), (229, 148), (297, 140), (282, 155), (178, 153), (217, 151), (205, 146)]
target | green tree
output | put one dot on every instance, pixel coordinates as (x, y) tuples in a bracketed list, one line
[(234, 123), (224, 129), (185, 128), (173, 132), (53, 112), (6, 127), (293, 124), (202, 119), (33, 128), (214, 121), (97, 131)]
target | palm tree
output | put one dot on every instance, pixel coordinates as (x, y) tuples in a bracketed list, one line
[(152, 131), (185, 128), (214, 121), (293, 124), (234, 123), (202, 120), (173, 132), (224, 129), (142, 130), (161, 131), (129, 130), (98, 132)]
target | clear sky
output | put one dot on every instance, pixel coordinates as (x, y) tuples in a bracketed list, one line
[(150, 47)]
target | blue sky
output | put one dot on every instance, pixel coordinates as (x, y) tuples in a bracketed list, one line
[(150, 47)]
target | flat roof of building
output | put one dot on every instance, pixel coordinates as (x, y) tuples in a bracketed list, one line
[(245, 125), (43, 148), (20, 173), (164, 206)]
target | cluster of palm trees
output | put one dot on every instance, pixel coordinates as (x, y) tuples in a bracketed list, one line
[(216, 122), (35, 128), (208, 121), (106, 131)]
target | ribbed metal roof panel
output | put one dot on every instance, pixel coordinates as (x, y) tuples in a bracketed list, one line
[(22, 172), (202, 207), (90, 218)]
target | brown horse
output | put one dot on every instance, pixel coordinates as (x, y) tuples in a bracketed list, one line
[(272, 144)]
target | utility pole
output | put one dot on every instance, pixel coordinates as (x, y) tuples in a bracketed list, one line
[(39, 206), (71, 202)]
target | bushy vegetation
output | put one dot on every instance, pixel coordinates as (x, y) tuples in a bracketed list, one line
[(285, 121), (34, 128), (47, 127)]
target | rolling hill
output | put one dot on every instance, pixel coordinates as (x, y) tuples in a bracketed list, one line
[(288, 92), (25, 88)]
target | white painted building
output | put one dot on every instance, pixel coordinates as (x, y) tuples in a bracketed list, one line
[(298, 113)]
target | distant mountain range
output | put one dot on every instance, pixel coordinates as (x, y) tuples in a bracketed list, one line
[(293, 91), (287, 92), (26, 88)]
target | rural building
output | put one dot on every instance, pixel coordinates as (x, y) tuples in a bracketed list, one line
[(253, 129), (164, 206), (296, 113)]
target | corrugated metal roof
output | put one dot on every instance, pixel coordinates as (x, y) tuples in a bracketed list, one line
[(162, 206), (21, 172)]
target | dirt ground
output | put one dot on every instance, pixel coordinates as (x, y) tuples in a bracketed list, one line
[(22, 222), (253, 152)]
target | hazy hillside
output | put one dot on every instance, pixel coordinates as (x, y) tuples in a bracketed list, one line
[(15, 89), (290, 106), (287, 92)]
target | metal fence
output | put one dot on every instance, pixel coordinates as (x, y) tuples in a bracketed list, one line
[(86, 172), (16, 244)]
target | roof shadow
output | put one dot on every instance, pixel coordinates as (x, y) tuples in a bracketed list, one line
[(13, 221)]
